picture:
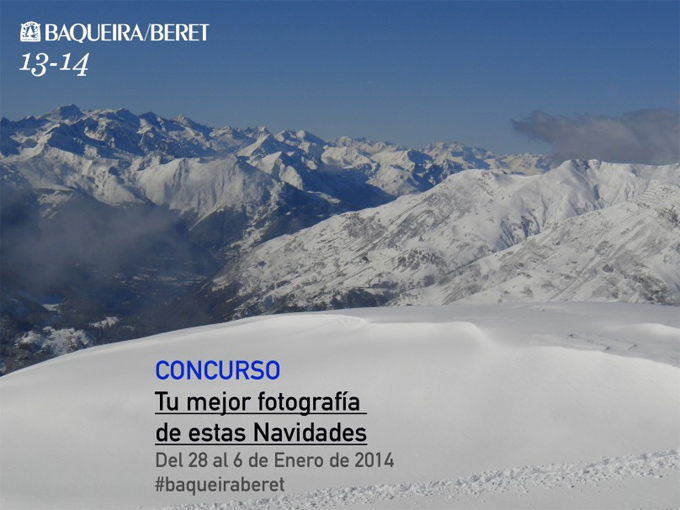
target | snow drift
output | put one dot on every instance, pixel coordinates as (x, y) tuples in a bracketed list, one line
[(559, 405)]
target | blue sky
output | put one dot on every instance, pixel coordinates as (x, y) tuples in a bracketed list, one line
[(409, 72)]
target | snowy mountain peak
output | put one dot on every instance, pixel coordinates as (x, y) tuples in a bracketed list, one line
[(120, 134), (68, 112), (298, 136)]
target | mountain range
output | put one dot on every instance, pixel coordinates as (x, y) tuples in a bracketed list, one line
[(584, 231), (116, 225)]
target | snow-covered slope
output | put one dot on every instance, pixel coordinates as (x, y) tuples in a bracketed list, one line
[(555, 405), (582, 231), (626, 252)]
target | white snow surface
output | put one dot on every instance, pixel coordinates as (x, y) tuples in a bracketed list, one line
[(523, 405)]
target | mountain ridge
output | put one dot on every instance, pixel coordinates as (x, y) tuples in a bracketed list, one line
[(404, 251)]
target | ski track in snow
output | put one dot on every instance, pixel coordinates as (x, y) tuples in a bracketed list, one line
[(520, 480)]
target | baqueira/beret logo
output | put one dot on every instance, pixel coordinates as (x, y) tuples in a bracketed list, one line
[(114, 32), (30, 32)]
